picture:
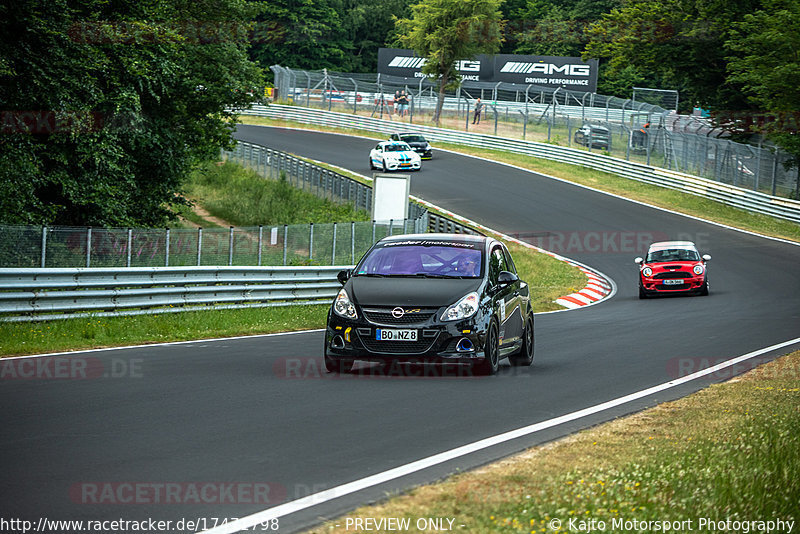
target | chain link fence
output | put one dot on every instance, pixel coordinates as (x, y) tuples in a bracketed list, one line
[(637, 130), (296, 244)]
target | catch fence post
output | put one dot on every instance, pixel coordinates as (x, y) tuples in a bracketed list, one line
[(44, 246), (260, 242), (199, 244), (130, 246), (89, 246), (230, 247)]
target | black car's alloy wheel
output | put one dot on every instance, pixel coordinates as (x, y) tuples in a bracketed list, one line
[(525, 354), (491, 362)]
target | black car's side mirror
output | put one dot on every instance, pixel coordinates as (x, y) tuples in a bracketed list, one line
[(505, 278), (344, 276)]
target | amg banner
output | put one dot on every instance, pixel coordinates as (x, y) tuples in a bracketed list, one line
[(407, 64), (549, 71)]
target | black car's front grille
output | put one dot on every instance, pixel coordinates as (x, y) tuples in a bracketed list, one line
[(398, 347), (384, 317), (673, 274)]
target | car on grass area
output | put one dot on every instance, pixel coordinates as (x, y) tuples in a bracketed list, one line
[(593, 136), (394, 156), (673, 267), (431, 298), (416, 141)]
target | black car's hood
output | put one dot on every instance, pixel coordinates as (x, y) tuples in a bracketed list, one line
[(409, 291), (417, 144)]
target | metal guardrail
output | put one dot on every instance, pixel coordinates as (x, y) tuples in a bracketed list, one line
[(734, 196), (46, 294)]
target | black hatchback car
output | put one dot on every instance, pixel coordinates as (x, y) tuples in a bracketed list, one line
[(416, 141), (442, 298)]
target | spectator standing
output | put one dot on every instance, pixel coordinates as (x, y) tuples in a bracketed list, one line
[(396, 101), (477, 113), (403, 101)]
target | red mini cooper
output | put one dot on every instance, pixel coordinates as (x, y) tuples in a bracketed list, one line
[(673, 267)]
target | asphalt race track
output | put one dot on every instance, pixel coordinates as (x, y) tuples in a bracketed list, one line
[(255, 422)]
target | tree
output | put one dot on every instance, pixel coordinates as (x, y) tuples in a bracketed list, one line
[(679, 43), (446, 31), (304, 34), (553, 28), (368, 25), (764, 57), (106, 107)]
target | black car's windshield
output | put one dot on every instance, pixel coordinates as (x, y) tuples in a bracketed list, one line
[(672, 254), (431, 261), (413, 139)]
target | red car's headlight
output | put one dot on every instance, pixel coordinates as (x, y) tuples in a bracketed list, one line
[(697, 269), (647, 272)]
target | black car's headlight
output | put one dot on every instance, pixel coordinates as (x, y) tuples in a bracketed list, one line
[(466, 307), (342, 306)]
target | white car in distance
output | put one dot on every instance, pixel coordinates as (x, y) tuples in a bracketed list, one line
[(394, 156)]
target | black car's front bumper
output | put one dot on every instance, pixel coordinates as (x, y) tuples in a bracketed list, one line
[(437, 342), (423, 152)]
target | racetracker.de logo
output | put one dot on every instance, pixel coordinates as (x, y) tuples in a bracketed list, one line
[(592, 242), (69, 368), (170, 493), (309, 368), (48, 122), (685, 366)]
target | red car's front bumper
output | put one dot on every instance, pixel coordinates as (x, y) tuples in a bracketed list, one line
[(687, 285)]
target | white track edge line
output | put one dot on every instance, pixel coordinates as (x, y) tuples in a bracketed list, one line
[(164, 344), (418, 465)]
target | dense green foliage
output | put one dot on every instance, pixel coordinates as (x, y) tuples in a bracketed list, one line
[(343, 35), (107, 106), (445, 31), (766, 62)]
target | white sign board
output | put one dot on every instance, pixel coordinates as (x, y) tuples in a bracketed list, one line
[(390, 197)]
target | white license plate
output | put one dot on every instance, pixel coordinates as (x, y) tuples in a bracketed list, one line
[(382, 334), (676, 282)]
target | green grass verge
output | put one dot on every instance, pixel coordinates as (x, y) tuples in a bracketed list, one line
[(242, 198), (657, 196), (95, 332), (728, 452)]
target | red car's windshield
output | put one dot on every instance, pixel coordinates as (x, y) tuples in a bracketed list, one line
[(672, 254)]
